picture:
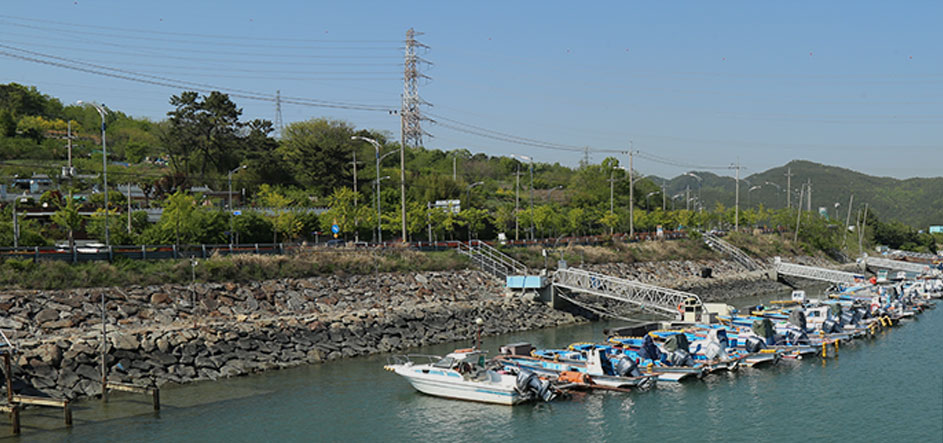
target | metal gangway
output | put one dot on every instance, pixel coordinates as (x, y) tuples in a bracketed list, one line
[(815, 273), (491, 260), (732, 251), (896, 265), (649, 298), (915, 255)]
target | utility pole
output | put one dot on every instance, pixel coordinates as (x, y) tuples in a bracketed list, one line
[(864, 223), (795, 238), (356, 219), (736, 214), (129, 208), (847, 220), (410, 116), (788, 188), (532, 231), (612, 180), (631, 195), (517, 204), (687, 197), (454, 169), (664, 197), (429, 220), (808, 206)]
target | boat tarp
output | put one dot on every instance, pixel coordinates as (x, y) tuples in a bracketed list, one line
[(797, 319), (764, 328), (649, 351), (835, 309), (677, 341)]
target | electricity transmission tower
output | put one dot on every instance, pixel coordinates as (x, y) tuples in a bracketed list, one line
[(410, 115), (278, 114)]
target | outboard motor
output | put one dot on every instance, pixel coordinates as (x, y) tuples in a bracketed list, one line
[(528, 382), (797, 319), (649, 351), (796, 337), (753, 343), (679, 353), (626, 367), (829, 326)]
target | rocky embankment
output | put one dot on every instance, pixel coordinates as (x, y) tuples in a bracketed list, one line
[(158, 334), (175, 333)]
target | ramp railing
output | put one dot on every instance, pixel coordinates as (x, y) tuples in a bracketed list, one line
[(650, 298)]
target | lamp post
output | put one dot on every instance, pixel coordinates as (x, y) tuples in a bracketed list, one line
[(379, 220), (691, 174), (231, 226), (101, 111), (376, 147), (752, 188), (549, 193), (648, 200), (468, 192), (531, 161)]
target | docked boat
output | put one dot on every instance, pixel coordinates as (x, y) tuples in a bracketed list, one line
[(596, 371), (463, 375)]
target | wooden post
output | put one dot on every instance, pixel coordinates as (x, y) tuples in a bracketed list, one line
[(67, 410), (156, 393), (8, 374), (15, 419)]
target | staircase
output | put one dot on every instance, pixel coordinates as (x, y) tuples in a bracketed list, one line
[(491, 260), (732, 251), (653, 299)]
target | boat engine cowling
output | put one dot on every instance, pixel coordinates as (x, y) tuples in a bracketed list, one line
[(530, 383), (680, 357), (829, 326), (626, 367), (795, 337), (753, 343)]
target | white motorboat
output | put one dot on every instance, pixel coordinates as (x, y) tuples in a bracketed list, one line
[(462, 375)]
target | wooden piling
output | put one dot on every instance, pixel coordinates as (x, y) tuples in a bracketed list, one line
[(14, 412), (48, 402), (154, 391)]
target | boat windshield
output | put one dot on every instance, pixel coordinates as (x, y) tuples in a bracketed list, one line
[(445, 363)]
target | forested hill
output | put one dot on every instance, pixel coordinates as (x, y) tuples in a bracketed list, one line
[(916, 202)]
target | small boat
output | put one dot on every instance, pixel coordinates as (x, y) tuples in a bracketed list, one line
[(595, 372), (462, 375)]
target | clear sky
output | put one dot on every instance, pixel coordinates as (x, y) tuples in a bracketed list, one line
[(856, 84)]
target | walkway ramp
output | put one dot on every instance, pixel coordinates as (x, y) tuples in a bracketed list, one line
[(896, 265), (650, 298), (491, 260), (815, 273), (732, 251)]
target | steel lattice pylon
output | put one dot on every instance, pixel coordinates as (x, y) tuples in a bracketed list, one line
[(815, 273), (650, 298)]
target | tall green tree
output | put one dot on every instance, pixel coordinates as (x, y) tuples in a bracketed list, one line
[(68, 218), (317, 153)]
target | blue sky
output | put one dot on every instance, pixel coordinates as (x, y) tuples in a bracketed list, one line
[(688, 84)]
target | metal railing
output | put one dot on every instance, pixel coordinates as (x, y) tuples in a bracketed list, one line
[(491, 260), (815, 273), (649, 298), (896, 265), (732, 251)]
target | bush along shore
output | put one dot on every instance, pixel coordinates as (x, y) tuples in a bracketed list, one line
[(179, 333)]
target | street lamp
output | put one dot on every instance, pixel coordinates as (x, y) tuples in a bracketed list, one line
[(752, 188), (376, 147), (231, 226), (531, 160), (691, 174), (468, 192), (102, 111), (648, 200), (549, 193), (379, 220)]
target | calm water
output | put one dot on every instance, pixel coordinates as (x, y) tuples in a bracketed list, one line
[(889, 388)]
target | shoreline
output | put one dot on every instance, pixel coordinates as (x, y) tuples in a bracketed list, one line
[(156, 335)]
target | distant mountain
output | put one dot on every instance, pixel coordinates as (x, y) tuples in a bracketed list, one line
[(916, 201)]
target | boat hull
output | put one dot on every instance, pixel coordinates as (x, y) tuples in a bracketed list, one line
[(459, 389)]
